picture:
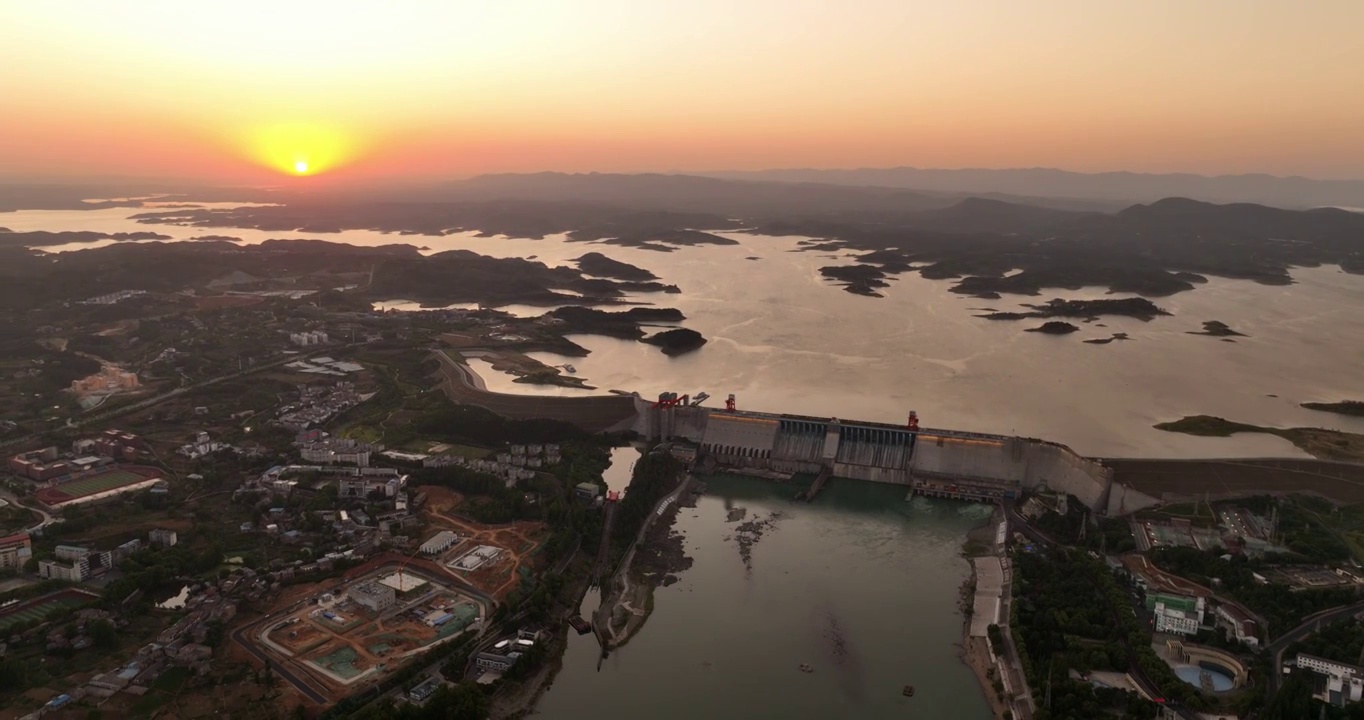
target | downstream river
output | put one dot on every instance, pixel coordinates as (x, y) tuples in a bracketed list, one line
[(861, 585)]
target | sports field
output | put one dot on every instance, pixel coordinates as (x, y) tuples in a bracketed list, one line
[(98, 482), (38, 608)]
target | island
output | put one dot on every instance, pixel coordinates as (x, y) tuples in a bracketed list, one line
[(1215, 328), (1054, 327), (1354, 408), (857, 279), (679, 341), (595, 263), (1107, 340), (1139, 308), (1317, 442)]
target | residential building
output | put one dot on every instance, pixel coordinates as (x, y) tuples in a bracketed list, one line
[(361, 486), (374, 596), (493, 661), (1238, 624), (163, 537), (1336, 683), (15, 550), (75, 571), (425, 689)]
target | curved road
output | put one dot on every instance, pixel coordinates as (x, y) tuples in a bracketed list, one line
[(1311, 625), (303, 687)]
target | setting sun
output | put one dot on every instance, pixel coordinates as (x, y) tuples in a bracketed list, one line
[(299, 148)]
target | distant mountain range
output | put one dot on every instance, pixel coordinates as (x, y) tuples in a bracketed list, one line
[(1121, 187)]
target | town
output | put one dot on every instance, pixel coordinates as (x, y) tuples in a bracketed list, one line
[(254, 505)]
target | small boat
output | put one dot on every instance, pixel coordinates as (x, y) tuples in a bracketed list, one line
[(570, 369), (909, 691), (807, 668)]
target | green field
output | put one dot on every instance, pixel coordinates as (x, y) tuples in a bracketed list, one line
[(100, 482), (39, 609)]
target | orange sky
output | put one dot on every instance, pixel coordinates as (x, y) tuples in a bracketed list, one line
[(242, 91)]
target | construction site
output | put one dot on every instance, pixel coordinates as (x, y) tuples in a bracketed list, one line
[(492, 558), (360, 630)]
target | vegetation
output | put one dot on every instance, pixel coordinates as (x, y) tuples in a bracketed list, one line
[(1071, 613), (655, 475), (1342, 642), (1111, 535), (1345, 407), (1324, 444)]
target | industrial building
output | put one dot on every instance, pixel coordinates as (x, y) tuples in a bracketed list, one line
[(1336, 683), (374, 596), (439, 543), (15, 550), (1176, 613), (163, 537)]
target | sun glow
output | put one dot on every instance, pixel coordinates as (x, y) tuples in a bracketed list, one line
[(301, 149)]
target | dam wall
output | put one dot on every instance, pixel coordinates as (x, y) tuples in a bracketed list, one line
[(936, 462)]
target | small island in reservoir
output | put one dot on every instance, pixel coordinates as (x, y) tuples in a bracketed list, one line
[(1317, 442), (1354, 408), (678, 341), (1139, 308), (1215, 328), (1054, 327)]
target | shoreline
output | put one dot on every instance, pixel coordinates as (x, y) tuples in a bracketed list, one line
[(975, 652)]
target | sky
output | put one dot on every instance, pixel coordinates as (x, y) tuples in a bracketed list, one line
[(249, 90)]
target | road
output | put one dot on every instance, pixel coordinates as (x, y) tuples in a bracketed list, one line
[(169, 394), (284, 672), (1309, 626), (593, 413), (1019, 524)]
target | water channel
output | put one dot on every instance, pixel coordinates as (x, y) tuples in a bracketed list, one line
[(861, 585)]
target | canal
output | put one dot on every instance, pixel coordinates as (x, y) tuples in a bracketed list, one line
[(860, 585)]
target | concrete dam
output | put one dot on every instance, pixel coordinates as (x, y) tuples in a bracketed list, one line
[(927, 461)]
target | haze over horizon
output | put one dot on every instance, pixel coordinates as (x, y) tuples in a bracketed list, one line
[(252, 91)]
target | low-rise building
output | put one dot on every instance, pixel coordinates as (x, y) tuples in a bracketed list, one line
[(15, 550), (425, 689), (1337, 683), (163, 537), (374, 596), (494, 661), (1176, 613), (439, 543), (75, 571)]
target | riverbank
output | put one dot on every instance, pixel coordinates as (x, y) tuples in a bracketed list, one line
[(653, 560), (975, 652)]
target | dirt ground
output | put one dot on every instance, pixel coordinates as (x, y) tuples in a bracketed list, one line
[(517, 539), (1196, 479), (977, 656)]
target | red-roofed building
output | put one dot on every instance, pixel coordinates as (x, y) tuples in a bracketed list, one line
[(15, 550)]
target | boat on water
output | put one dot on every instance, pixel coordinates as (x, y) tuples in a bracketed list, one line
[(909, 691), (807, 668), (570, 369)]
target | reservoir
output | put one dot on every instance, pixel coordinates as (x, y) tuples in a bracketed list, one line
[(861, 585)]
